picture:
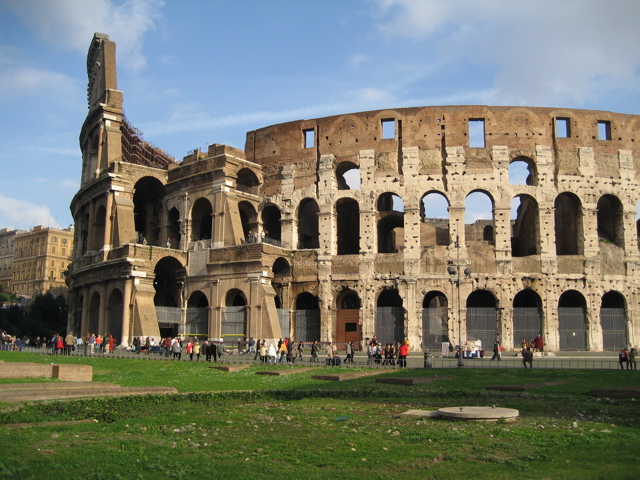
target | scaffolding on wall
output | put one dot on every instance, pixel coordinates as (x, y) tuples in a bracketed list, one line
[(135, 150)]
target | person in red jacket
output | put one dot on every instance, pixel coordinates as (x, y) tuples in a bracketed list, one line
[(403, 351)]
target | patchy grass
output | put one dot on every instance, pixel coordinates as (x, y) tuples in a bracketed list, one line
[(250, 426)]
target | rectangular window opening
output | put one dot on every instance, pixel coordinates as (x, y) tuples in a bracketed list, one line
[(388, 128), (476, 133), (309, 138), (604, 130), (562, 128)]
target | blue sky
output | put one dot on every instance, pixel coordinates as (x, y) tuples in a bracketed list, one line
[(200, 72)]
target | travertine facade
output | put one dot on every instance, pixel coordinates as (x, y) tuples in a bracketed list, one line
[(324, 229), (7, 246)]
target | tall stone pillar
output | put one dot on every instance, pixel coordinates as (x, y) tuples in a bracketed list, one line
[(127, 307)]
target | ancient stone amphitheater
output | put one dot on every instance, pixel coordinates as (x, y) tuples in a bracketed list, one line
[(426, 224)]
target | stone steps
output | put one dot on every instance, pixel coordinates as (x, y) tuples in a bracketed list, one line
[(29, 392)]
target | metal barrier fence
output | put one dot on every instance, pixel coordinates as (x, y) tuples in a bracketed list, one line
[(414, 360)]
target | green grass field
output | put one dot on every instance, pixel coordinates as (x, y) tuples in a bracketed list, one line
[(243, 425)]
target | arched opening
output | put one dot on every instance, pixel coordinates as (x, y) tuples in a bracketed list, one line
[(234, 316), (478, 215), (348, 226), (527, 317), (434, 213), (201, 220), (348, 176), (435, 325), (482, 318), (610, 220), (197, 316), (390, 223), (307, 318), (94, 314), (389, 317), (525, 226), (168, 282), (281, 271), (249, 220), (568, 224), (84, 232), (308, 234), (271, 226), (173, 229), (522, 171), (115, 310), (147, 208), (572, 321), (98, 228), (613, 320), (348, 318), (247, 181)]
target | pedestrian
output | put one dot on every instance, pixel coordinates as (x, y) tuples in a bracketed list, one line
[(329, 351), (623, 359), (196, 349), (527, 357), (300, 351), (220, 350), (314, 351), (403, 351), (349, 358), (271, 354), (496, 351), (190, 350), (632, 359), (262, 351)]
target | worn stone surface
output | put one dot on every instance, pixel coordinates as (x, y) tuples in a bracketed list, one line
[(230, 368), (77, 373), (28, 392), (349, 227), (479, 414)]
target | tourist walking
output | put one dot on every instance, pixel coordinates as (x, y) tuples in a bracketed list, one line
[(496, 351), (632, 359), (527, 357)]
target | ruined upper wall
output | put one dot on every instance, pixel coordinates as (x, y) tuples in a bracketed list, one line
[(101, 70), (433, 128)]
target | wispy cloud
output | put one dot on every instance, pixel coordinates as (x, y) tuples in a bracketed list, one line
[(69, 184), (68, 24), (23, 214), (540, 52)]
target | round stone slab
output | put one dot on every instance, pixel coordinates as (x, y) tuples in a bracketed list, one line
[(479, 414)]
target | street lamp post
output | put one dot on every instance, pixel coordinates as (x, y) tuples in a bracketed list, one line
[(457, 276)]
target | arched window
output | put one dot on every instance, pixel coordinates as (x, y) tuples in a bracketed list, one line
[(389, 317), (522, 171), (572, 321), (525, 226), (435, 329), (482, 319), (568, 224), (307, 318), (348, 226), (147, 209), (478, 215), (434, 213), (201, 220), (308, 234), (610, 220), (348, 176), (613, 320), (390, 223)]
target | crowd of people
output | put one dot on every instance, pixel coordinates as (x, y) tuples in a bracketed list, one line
[(394, 354)]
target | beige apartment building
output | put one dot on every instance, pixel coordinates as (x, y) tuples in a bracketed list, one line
[(7, 245), (41, 258), (325, 229)]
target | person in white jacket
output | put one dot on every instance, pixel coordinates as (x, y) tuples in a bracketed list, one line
[(271, 353)]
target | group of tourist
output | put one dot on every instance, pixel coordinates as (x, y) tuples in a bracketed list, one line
[(389, 354), (627, 358)]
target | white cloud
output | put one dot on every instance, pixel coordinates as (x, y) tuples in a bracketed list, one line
[(24, 81), (358, 59), (543, 52), (69, 24), (69, 184), (17, 213)]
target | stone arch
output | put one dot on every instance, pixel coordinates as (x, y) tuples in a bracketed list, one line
[(435, 320), (610, 220), (347, 226), (281, 272), (234, 316), (348, 176), (147, 209), (307, 318), (572, 321), (523, 171), (482, 318), (94, 314), (389, 326), (168, 282), (271, 226), (390, 209), (348, 305), (568, 224), (197, 324), (525, 226), (434, 215), (114, 315), (173, 228), (527, 317), (613, 321), (478, 214), (99, 226), (249, 219), (201, 220), (308, 224), (247, 181)]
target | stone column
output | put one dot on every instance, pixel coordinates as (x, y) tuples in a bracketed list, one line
[(126, 312)]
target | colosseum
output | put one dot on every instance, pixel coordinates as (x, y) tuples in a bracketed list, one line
[(345, 227)]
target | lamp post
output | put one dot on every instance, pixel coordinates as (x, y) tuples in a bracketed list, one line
[(457, 276)]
